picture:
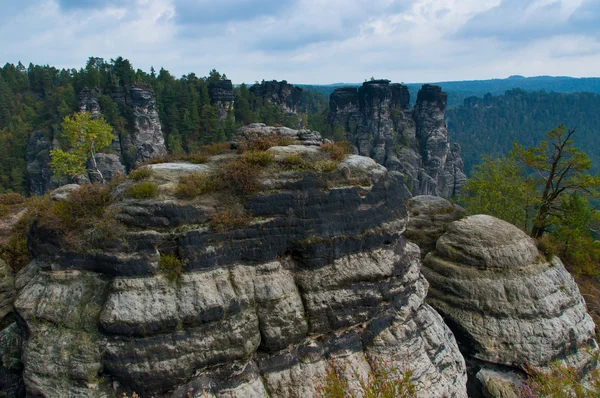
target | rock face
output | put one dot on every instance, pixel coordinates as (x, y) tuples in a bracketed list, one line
[(146, 141), (280, 93), (222, 96), (41, 178), (378, 120), (428, 219), (321, 276), (506, 303), (257, 130)]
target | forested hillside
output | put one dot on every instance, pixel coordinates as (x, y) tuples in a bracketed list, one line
[(491, 125), (37, 98)]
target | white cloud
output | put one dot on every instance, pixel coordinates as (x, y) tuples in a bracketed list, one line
[(313, 41)]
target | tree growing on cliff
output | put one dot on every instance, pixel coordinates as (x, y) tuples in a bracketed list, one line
[(84, 137)]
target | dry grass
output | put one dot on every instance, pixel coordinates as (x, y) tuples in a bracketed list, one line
[(227, 220), (336, 150), (139, 174), (259, 158), (194, 184), (142, 190), (325, 166), (9, 199), (293, 160), (239, 177), (266, 142), (216, 148)]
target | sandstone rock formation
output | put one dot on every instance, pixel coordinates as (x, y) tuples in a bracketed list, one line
[(257, 130), (507, 304), (320, 276), (222, 96), (282, 94), (41, 177), (428, 219), (378, 120)]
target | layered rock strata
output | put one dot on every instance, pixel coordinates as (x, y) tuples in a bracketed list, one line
[(320, 276), (508, 305), (378, 120)]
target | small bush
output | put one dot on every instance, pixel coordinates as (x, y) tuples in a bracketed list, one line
[(259, 158), (142, 173), (546, 246), (239, 177), (292, 160), (325, 166), (171, 267), (194, 184), (9, 199), (4, 210), (268, 141), (336, 150), (141, 190), (561, 381), (227, 220), (216, 148), (383, 381)]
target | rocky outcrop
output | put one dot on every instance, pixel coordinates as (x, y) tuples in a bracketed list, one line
[(41, 177), (428, 219), (378, 120), (319, 276), (283, 94), (258, 130), (508, 305), (222, 96), (146, 140)]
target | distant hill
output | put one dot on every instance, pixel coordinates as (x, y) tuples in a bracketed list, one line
[(459, 90), (490, 125)]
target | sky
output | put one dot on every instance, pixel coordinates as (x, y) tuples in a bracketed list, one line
[(311, 41)]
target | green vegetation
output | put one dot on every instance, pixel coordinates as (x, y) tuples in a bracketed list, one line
[(239, 177), (141, 190), (491, 127), (139, 174), (216, 148), (292, 160), (171, 267), (325, 165), (544, 190), (383, 381), (36, 99), (258, 158), (84, 137)]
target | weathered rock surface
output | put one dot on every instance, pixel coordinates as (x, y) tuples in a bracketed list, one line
[(428, 219), (377, 119), (222, 96), (283, 94), (321, 276), (506, 303), (7, 290), (256, 130), (41, 178)]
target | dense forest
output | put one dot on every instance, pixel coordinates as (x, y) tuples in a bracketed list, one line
[(490, 125), (38, 97)]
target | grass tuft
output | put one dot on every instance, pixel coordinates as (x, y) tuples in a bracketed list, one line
[(141, 190)]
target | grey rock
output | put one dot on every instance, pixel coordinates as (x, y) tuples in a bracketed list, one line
[(109, 165), (222, 96), (41, 177), (507, 304), (62, 194), (378, 121), (429, 217), (11, 365), (7, 290), (285, 95), (257, 130)]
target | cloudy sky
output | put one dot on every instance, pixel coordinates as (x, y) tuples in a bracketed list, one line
[(312, 41)]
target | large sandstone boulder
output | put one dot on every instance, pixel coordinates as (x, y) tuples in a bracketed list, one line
[(319, 275), (506, 302)]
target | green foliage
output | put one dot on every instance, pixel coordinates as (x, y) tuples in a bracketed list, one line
[(325, 165), (4, 210), (216, 148), (141, 190), (84, 137), (292, 160), (171, 267), (500, 187), (259, 158), (383, 381)]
